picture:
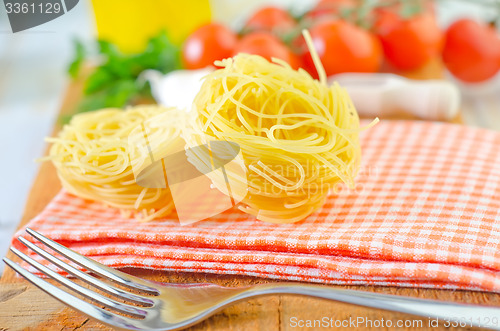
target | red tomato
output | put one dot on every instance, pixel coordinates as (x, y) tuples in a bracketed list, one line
[(344, 47), (209, 43), (267, 46), (408, 43), (271, 19), (472, 50), (324, 11)]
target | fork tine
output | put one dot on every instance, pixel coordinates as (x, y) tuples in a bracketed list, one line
[(122, 307), (76, 303), (86, 277), (98, 268)]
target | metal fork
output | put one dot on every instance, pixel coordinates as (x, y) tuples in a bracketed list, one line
[(161, 306)]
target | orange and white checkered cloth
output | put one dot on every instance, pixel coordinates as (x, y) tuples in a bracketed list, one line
[(425, 213)]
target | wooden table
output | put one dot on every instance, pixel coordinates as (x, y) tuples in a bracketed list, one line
[(25, 307)]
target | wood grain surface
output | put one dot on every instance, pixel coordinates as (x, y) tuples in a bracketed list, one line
[(25, 307)]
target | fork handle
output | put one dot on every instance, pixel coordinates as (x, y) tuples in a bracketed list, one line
[(471, 315)]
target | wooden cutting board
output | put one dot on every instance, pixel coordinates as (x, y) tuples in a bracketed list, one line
[(25, 307)]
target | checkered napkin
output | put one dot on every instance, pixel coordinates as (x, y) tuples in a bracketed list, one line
[(425, 213)]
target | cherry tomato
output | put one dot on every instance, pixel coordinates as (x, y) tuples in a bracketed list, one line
[(209, 43), (271, 19), (472, 50), (324, 11), (409, 43), (267, 46), (344, 47)]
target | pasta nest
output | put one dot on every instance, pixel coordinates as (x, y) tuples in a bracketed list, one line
[(94, 159), (298, 137)]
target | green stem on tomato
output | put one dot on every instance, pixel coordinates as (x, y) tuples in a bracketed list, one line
[(487, 3), (361, 14)]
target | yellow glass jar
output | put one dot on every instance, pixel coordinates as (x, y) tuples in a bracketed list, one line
[(130, 23)]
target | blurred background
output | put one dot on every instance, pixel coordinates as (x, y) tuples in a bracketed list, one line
[(449, 40)]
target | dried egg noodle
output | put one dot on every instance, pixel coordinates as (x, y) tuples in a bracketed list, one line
[(94, 160), (298, 136)]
